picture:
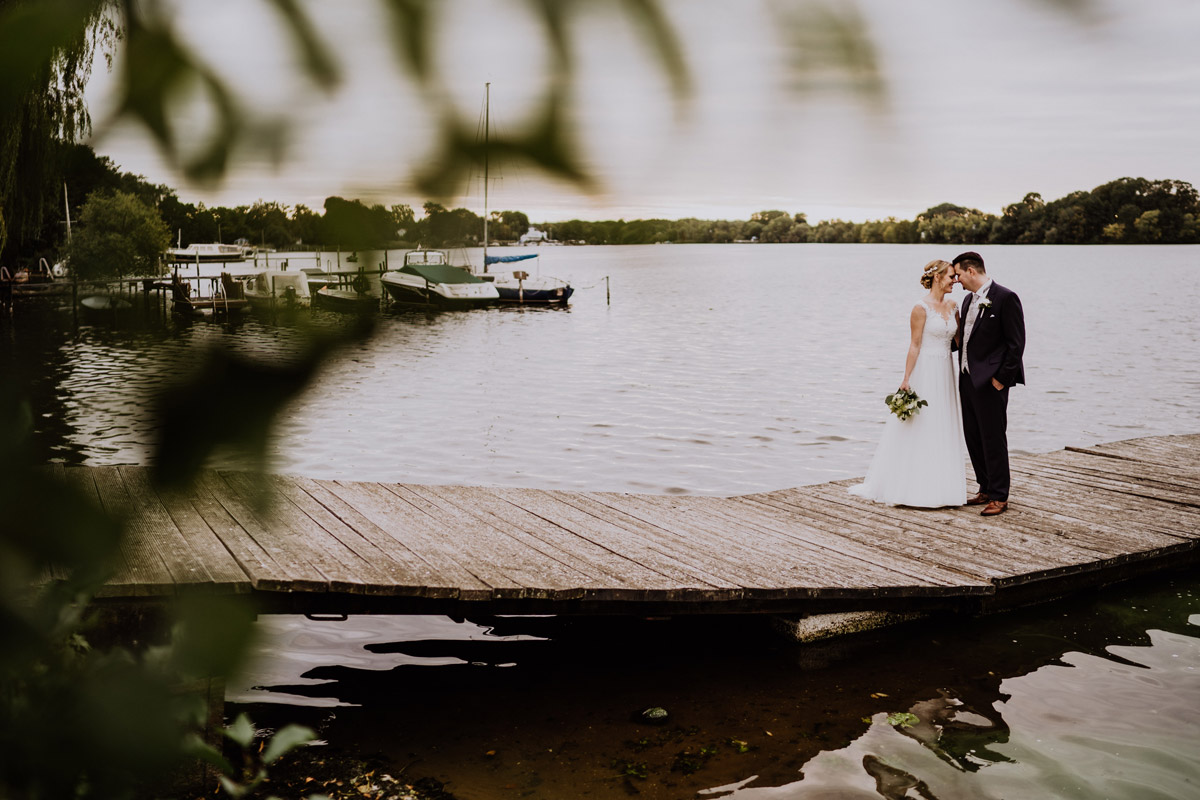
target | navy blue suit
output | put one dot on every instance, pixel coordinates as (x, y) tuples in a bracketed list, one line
[(994, 351)]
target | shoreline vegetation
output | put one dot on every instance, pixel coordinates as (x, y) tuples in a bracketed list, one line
[(1122, 211)]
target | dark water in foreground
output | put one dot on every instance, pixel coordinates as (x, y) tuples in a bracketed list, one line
[(716, 370), (1093, 697)]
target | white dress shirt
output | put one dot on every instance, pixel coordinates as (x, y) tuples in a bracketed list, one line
[(972, 316)]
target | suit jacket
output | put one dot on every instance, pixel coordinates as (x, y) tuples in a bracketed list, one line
[(997, 340)]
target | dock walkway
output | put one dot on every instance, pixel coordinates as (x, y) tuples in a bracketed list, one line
[(1079, 517)]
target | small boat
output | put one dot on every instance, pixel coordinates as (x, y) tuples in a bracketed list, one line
[(348, 297), (316, 278), (518, 286), (428, 279), (275, 288), (104, 308), (346, 301), (206, 253)]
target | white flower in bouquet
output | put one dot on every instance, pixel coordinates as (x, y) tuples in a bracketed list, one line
[(904, 403)]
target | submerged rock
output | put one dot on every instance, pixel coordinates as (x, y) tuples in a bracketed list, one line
[(655, 715)]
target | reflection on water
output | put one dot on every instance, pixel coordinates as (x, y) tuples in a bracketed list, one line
[(1092, 697)]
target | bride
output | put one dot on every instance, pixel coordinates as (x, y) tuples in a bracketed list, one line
[(919, 461)]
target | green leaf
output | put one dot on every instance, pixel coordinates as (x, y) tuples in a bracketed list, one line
[(286, 740), (201, 750), (902, 719), (213, 635), (241, 731), (316, 56), (232, 789), (191, 416)]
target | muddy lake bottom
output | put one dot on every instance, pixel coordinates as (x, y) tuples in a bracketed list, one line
[(1025, 703)]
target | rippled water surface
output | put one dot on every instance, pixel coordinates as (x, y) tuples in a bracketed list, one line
[(1096, 697), (716, 370)]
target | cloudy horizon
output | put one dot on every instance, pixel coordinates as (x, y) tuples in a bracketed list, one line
[(979, 106)]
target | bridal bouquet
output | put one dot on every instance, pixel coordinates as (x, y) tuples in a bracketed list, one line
[(904, 403)]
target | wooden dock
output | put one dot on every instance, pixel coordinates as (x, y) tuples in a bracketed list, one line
[(1080, 517)]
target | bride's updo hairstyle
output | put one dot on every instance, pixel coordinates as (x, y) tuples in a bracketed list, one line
[(932, 270)]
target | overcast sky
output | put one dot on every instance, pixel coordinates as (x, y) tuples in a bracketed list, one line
[(983, 102)]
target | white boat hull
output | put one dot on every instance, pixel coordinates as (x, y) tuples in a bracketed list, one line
[(275, 289), (415, 290)]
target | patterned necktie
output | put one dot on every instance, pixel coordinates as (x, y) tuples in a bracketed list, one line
[(972, 315)]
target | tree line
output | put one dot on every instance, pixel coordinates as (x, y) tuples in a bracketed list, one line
[(125, 222), (1124, 211)]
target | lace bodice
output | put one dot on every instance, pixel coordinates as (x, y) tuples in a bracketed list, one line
[(939, 332)]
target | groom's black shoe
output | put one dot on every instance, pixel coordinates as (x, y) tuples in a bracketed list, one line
[(978, 500), (993, 508)]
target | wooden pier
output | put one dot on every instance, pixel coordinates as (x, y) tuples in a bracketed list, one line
[(1079, 518)]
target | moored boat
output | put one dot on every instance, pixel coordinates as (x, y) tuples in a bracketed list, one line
[(428, 279), (353, 296), (274, 288), (104, 308), (206, 253), (518, 286), (346, 301)]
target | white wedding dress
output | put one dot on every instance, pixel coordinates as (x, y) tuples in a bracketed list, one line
[(921, 461)]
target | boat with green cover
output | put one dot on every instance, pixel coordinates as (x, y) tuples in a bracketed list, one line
[(428, 279)]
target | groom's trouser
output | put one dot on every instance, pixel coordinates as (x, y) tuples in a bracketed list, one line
[(985, 427)]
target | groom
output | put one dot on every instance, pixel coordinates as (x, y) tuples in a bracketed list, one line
[(991, 340)]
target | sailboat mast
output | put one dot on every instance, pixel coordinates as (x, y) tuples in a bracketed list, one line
[(67, 206), (487, 107)]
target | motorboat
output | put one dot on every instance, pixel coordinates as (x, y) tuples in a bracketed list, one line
[(428, 279), (316, 278), (518, 286), (207, 253), (346, 301), (104, 308), (276, 288), (347, 295)]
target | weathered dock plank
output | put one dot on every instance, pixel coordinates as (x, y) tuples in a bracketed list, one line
[(1078, 517), (192, 555), (1172, 451), (882, 530), (340, 567), (410, 575), (267, 565), (1026, 551), (640, 546), (149, 543), (790, 548), (614, 577), (403, 523), (737, 555), (484, 547)]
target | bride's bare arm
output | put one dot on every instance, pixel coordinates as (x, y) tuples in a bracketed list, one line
[(917, 323)]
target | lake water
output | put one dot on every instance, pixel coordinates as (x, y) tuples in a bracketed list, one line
[(715, 370)]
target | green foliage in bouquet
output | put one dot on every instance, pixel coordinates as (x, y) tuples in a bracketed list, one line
[(904, 403)]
